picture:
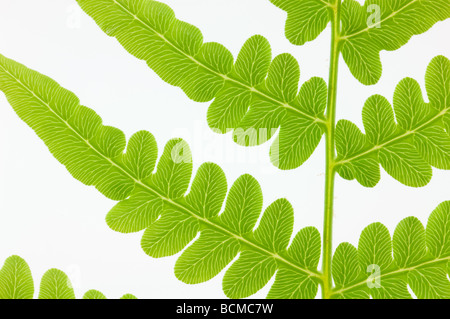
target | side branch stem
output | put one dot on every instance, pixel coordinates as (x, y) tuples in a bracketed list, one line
[(330, 151)]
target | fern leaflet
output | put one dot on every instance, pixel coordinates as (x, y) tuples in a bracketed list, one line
[(93, 154), (306, 19), (366, 29), (383, 25), (254, 96), (421, 259), (16, 282), (408, 148)]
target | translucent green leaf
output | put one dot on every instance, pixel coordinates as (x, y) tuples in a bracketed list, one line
[(16, 282), (56, 285), (295, 143), (367, 171), (346, 171), (299, 137), (430, 282), (135, 213), (378, 119), (306, 19), (434, 145), (346, 268), (305, 251), (357, 294), (276, 226), (437, 83), (230, 107), (94, 294), (290, 285), (394, 288), (15, 279), (206, 257), (208, 190), (410, 108), (366, 29), (420, 260), (409, 242), (349, 139), (438, 231), (253, 96), (375, 247), (282, 78), (174, 169), (253, 61), (274, 234), (383, 25), (406, 150), (157, 201), (447, 123), (86, 155), (248, 274), (305, 247), (141, 155), (243, 206), (170, 234), (402, 162)]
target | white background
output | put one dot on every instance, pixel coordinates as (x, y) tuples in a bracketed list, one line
[(52, 220)]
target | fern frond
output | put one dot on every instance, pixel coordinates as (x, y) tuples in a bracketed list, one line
[(16, 282), (366, 29), (407, 148), (420, 259), (156, 201), (254, 96), (365, 34)]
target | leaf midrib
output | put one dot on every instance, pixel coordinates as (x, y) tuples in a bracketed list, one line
[(327, 4), (393, 273), (395, 139), (183, 208), (224, 76), (392, 15)]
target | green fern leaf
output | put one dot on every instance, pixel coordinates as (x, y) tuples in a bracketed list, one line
[(366, 29), (406, 149), (93, 294), (420, 259), (15, 279), (304, 250), (156, 202), (254, 97), (306, 19), (16, 282), (56, 285), (383, 25)]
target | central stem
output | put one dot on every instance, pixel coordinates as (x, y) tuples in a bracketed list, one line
[(330, 151)]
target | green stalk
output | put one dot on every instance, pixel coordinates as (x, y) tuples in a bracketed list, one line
[(330, 150)]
